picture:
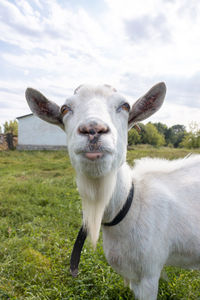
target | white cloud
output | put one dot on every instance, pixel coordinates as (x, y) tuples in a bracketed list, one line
[(54, 47), (172, 114), (129, 8)]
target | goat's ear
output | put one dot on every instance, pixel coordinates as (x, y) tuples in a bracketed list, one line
[(44, 108), (147, 105)]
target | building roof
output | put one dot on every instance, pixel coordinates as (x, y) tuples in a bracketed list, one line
[(24, 116)]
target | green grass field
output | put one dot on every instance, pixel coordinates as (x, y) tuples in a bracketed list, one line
[(40, 215)]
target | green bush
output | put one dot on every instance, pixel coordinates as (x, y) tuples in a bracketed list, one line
[(134, 137), (191, 139), (152, 136)]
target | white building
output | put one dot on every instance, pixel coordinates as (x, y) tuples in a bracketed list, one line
[(36, 134)]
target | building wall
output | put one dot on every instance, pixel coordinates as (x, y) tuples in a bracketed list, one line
[(34, 133)]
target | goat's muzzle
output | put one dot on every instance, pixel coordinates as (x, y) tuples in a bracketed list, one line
[(93, 131)]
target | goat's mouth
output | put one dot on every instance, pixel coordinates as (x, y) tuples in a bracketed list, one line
[(94, 152), (93, 155)]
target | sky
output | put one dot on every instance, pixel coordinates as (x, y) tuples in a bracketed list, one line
[(56, 45)]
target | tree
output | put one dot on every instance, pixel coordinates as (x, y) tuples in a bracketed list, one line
[(0, 130), (162, 128), (133, 137), (192, 138), (175, 134), (11, 127), (152, 136), (142, 133)]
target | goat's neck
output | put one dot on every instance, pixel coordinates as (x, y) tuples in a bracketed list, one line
[(102, 198), (120, 193)]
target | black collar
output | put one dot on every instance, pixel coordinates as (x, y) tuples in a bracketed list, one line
[(81, 237), (76, 252), (123, 212)]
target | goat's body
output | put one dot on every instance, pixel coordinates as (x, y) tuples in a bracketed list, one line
[(163, 223), (162, 226)]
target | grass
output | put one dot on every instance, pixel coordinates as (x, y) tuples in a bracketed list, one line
[(40, 215)]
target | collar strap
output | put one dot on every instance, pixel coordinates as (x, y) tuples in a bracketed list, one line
[(76, 252), (123, 212), (82, 235)]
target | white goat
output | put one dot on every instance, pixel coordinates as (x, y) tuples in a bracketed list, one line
[(162, 225)]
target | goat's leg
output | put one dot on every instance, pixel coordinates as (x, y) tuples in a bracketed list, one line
[(147, 288)]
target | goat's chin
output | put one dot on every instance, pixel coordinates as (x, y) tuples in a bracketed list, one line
[(96, 194), (94, 169)]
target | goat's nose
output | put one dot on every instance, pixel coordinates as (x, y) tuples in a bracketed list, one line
[(93, 129)]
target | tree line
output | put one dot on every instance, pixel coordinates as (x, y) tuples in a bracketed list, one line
[(159, 134), (156, 134)]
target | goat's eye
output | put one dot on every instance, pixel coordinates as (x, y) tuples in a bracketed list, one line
[(65, 109), (125, 106)]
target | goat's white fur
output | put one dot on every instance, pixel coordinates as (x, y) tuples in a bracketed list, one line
[(95, 194), (163, 223), (162, 226)]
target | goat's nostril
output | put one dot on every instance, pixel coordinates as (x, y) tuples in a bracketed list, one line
[(93, 129), (103, 130), (83, 130)]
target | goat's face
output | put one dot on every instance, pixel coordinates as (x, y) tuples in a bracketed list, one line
[(96, 121)]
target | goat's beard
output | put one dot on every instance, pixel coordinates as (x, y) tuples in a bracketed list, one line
[(96, 194)]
